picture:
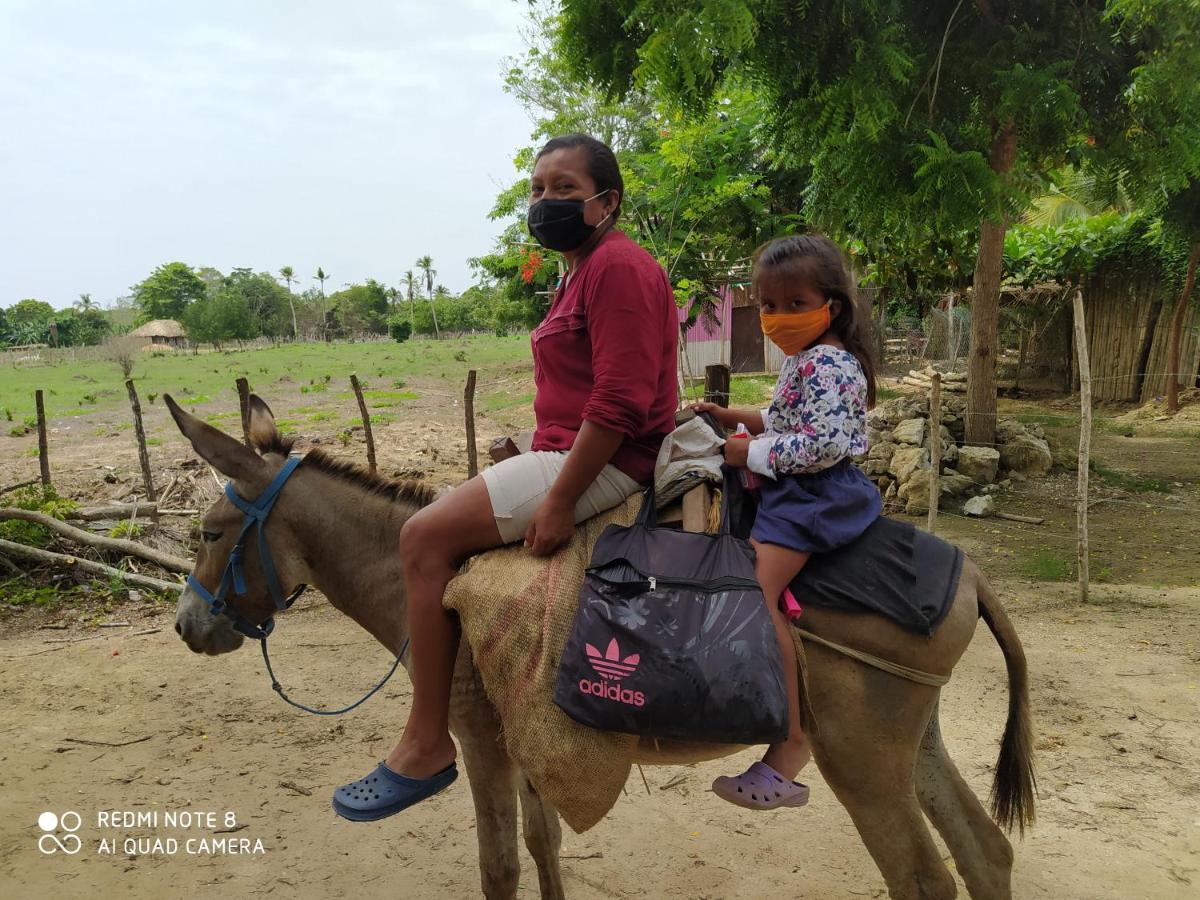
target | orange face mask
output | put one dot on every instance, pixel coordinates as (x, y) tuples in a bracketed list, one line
[(793, 332)]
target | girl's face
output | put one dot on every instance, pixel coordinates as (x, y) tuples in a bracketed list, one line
[(778, 295)]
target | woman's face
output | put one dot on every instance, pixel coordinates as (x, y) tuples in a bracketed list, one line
[(779, 294), (563, 175)]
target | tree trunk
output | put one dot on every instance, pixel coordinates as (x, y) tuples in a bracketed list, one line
[(1173, 372), (985, 304)]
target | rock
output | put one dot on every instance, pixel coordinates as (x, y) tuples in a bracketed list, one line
[(915, 494), (1026, 454), (949, 448), (979, 463), (907, 460), (955, 483), (890, 493), (1009, 430), (979, 506), (910, 431), (883, 450)]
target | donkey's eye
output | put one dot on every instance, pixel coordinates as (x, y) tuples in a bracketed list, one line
[(210, 537)]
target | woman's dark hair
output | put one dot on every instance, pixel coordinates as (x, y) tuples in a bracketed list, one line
[(601, 163), (815, 259)]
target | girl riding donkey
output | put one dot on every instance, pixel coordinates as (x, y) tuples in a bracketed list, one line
[(813, 499)]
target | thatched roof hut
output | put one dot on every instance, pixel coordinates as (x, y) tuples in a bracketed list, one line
[(162, 332)]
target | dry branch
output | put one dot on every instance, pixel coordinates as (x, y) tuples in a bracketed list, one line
[(86, 565), (1013, 517), (114, 511), (19, 485), (117, 545)]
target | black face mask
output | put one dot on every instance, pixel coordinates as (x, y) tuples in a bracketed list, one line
[(558, 224)]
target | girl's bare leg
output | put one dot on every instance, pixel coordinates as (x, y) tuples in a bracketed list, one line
[(776, 567), (432, 544)]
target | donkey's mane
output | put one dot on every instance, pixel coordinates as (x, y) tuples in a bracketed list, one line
[(402, 490)]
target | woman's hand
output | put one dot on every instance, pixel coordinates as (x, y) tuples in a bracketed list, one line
[(553, 524), (717, 412), (737, 452)]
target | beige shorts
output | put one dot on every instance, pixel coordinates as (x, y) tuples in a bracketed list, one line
[(518, 485)]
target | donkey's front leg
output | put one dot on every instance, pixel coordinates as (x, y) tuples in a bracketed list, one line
[(543, 839), (493, 778)]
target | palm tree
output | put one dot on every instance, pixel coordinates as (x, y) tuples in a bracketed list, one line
[(322, 277), (410, 286), (85, 303), (425, 264), (288, 274)]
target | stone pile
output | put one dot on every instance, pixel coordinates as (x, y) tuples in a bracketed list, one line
[(898, 458)]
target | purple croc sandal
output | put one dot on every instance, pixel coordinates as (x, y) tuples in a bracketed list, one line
[(760, 787)]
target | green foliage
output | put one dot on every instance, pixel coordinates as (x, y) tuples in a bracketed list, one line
[(1046, 565), (361, 308), (37, 499), (126, 529), (222, 316), (168, 292), (400, 330)]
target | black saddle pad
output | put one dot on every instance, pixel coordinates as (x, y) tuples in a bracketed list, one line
[(894, 569)]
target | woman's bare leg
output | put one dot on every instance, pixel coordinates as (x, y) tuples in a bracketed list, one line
[(775, 567), (432, 545)]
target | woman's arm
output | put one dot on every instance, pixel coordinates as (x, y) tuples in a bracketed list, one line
[(554, 521)]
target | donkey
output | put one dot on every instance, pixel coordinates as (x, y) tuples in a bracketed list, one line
[(877, 740)]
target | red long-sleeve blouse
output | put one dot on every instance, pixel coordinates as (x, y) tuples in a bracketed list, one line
[(606, 353)]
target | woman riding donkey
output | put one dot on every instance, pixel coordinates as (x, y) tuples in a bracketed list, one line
[(812, 499), (604, 363)]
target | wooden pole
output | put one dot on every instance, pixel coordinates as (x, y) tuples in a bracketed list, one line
[(43, 445), (716, 384), (243, 391), (366, 420), (1085, 445), (935, 450), (143, 455), (469, 406)]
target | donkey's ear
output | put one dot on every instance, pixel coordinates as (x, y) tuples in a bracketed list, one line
[(263, 433), (227, 455)]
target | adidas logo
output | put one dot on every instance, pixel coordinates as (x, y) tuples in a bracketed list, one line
[(610, 666)]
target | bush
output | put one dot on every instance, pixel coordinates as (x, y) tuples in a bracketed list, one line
[(400, 330)]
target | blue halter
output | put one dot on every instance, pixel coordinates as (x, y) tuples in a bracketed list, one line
[(234, 576)]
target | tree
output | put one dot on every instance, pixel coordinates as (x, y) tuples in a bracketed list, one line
[(168, 292), (943, 116), (425, 264), (1182, 214), (222, 316), (322, 277), (288, 274), (362, 307), (29, 321), (262, 295), (84, 303)]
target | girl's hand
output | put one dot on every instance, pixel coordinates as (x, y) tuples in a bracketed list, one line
[(737, 452)]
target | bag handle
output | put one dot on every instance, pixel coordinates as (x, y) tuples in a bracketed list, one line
[(648, 514)]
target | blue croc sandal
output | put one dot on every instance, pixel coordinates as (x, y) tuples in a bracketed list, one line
[(384, 793)]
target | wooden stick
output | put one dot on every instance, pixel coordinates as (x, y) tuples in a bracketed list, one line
[(1013, 517), (43, 445), (243, 392), (935, 451), (469, 407), (1085, 445), (716, 385), (143, 454), (18, 485), (366, 420), (113, 511), (117, 545), (86, 565)]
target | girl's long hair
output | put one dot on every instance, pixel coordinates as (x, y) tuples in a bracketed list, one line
[(817, 260)]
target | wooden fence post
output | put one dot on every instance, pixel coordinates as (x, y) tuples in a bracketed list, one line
[(143, 455), (1085, 446), (935, 449), (366, 420), (43, 444), (243, 391), (716, 384), (469, 405)]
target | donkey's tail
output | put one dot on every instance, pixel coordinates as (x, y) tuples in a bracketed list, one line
[(1014, 786)]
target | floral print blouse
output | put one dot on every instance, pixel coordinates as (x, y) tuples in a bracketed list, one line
[(817, 417)]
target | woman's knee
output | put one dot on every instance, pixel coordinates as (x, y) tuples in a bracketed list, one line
[(419, 544)]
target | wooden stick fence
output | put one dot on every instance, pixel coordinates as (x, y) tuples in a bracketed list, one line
[(366, 420), (243, 392), (43, 445), (935, 450), (469, 408), (143, 455), (1085, 445)]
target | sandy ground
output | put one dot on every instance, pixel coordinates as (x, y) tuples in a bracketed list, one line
[(1115, 700)]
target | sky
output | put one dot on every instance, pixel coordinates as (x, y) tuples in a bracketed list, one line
[(355, 136)]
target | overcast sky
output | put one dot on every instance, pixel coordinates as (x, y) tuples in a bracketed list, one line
[(355, 136)]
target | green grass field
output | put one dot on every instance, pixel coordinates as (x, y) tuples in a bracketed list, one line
[(86, 386)]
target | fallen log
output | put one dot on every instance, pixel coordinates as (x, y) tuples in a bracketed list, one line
[(19, 484), (1013, 517), (86, 565), (960, 388), (116, 545), (115, 511)]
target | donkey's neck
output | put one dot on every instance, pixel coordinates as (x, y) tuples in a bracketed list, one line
[(351, 540)]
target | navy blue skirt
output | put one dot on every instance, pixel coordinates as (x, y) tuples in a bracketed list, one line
[(816, 512)]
